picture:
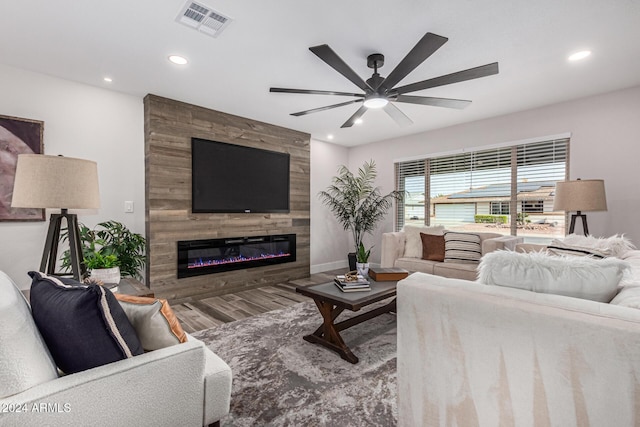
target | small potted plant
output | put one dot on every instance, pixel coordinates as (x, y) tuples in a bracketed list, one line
[(110, 244), (103, 267), (362, 260)]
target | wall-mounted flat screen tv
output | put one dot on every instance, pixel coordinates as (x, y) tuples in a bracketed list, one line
[(228, 178)]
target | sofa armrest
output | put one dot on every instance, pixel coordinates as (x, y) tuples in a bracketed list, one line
[(500, 243), (392, 248), (217, 387), (163, 387)]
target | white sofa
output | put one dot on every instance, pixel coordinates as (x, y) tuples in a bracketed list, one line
[(476, 355), (181, 385), (393, 255)]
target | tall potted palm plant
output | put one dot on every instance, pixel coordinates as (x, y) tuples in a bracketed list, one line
[(358, 204)]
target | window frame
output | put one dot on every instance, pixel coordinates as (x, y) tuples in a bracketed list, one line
[(501, 210), (547, 154)]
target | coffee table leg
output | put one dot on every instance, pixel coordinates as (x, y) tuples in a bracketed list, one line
[(327, 335)]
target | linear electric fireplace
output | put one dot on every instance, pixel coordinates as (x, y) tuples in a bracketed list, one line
[(197, 257)]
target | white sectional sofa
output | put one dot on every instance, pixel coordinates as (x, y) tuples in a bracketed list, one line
[(182, 385), (395, 243), (471, 354)]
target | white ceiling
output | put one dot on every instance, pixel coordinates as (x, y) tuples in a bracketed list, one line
[(267, 45)]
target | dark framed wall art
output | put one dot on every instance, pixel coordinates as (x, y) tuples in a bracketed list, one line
[(17, 136)]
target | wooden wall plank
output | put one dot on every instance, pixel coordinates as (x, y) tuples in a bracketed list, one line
[(169, 127)]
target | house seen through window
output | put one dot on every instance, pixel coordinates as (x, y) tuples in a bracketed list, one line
[(507, 190)]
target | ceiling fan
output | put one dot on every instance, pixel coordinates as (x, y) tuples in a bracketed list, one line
[(380, 92)]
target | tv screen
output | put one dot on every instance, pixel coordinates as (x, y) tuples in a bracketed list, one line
[(229, 178)]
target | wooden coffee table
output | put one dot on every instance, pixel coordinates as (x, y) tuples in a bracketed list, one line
[(331, 301)]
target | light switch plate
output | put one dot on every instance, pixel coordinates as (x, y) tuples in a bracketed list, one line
[(128, 207)]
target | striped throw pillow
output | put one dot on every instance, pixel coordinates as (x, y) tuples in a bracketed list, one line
[(567, 250), (462, 247)]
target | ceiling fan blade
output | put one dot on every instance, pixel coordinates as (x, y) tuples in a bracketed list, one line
[(398, 116), (426, 47), (325, 53), (314, 92), (436, 102), (460, 76), (328, 107), (355, 117)]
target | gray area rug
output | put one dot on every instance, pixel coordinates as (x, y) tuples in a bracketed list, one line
[(281, 380)]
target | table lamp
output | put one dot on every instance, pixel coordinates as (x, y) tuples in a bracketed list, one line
[(60, 183), (581, 195)]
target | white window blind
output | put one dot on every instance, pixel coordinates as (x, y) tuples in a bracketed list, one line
[(507, 190), (410, 180)]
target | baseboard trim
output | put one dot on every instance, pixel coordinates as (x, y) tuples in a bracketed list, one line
[(320, 268)]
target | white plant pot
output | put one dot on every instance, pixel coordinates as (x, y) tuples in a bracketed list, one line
[(363, 268), (106, 275)]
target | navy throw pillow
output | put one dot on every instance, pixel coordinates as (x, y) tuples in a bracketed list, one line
[(83, 326)]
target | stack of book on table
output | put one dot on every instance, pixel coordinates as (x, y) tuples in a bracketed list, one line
[(361, 284)]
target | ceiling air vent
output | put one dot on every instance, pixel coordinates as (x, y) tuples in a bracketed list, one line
[(203, 18)]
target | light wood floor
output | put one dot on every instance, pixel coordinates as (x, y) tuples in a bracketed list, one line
[(213, 311)]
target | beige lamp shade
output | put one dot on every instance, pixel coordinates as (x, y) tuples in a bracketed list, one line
[(582, 195), (55, 182)]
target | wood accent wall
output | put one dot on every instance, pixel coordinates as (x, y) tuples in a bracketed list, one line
[(169, 126)]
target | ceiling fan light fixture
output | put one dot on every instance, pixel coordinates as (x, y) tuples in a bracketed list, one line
[(376, 101)]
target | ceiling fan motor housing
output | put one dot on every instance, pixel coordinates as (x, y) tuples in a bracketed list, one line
[(375, 61), (375, 81)]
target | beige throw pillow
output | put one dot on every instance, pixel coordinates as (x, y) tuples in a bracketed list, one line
[(154, 321), (412, 240)]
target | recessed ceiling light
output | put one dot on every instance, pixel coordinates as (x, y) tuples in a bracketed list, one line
[(176, 59), (579, 55), (108, 79), (358, 121), (329, 137)]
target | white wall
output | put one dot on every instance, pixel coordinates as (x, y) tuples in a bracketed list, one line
[(108, 127), (605, 144), (329, 242), (79, 121)]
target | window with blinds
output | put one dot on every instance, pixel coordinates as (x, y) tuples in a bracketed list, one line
[(410, 181), (508, 190)]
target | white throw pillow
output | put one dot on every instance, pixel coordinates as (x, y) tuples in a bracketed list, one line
[(616, 245), (25, 360), (412, 240), (579, 277)]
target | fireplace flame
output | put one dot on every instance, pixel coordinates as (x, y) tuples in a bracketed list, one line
[(208, 262)]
